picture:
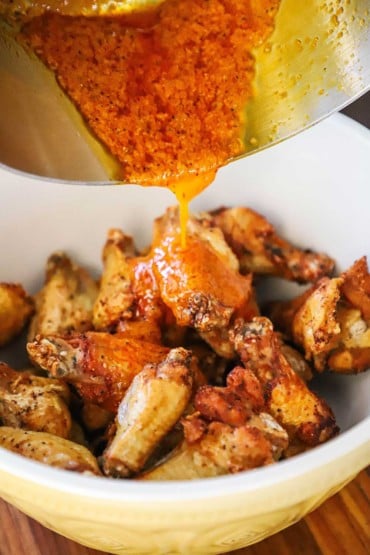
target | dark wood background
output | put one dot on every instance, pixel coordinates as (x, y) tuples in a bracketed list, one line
[(341, 526)]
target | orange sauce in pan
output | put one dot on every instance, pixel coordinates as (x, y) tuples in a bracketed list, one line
[(164, 91)]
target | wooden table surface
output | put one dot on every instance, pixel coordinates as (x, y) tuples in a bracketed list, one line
[(341, 526)]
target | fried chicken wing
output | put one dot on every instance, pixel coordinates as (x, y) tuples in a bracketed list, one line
[(221, 449), (356, 287), (314, 325), (115, 299), (151, 315), (229, 432), (262, 251), (49, 449), (100, 366), (331, 321), (304, 415), (65, 303), (200, 282), (33, 402), (153, 404), (212, 366), (129, 300), (16, 307)]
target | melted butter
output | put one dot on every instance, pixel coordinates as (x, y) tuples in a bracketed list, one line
[(307, 57)]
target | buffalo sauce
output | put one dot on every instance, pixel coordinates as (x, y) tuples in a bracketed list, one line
[(165, 91)]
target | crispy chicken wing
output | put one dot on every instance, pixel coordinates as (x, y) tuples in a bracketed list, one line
[(221, 449), (228, 433), (153, 404), (33, 402), (331, 321), (262, 251), (315, 326), (129, 300), (99, 365), (200, 282), (356, 287), (49, 449), (16, 308), (115, 299), (151, 315), (65, 303), (304, 415), (212, 366)]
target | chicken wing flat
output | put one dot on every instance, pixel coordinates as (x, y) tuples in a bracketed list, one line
[(262, 251), (49, 449), (228, 433), (33, 402), (129, 300), (66, 301), (200, 282), (100, 366), (16, 308), (221, 449), (150, 317), (153, 404), (331, 321), (304, 415), (315, 326)]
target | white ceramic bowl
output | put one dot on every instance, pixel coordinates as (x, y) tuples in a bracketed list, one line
[(316, 189)]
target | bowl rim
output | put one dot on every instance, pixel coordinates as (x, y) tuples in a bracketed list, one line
[(357, 437), (243, 482)]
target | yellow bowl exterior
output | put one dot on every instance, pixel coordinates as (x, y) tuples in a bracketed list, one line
[(202, 526)]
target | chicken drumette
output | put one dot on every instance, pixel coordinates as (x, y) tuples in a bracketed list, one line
[(151, 407)]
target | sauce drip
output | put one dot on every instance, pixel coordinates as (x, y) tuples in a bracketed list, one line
[(165, 91)]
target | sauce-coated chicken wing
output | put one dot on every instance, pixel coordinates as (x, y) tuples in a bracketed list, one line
[(200, 282)]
